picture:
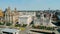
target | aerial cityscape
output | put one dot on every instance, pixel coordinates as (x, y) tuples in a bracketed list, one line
[(14, 19), (26, 17)]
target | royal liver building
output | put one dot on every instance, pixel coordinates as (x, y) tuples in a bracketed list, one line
[(11, 16)]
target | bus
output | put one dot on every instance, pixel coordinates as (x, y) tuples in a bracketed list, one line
[(10, 31)]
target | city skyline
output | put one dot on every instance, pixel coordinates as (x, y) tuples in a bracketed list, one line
[(30, 4)]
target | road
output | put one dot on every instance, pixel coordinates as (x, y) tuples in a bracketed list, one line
[(27, 31)]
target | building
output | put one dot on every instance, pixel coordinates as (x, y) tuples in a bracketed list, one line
[(37, 22), (32, 13), (1, 16), (25, 19), (8, 15), (11, 16)]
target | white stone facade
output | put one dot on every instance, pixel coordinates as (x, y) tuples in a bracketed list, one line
[(25, 19)]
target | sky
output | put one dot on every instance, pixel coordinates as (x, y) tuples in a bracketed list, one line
[(30, 4)]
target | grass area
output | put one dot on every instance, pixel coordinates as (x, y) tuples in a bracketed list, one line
[(43, 27), (22, 28), (2, 23), (19, 25), (8, 24)]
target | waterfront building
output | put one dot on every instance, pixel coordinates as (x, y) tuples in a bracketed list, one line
[(8, 15), (25, 19), (15, 16), (11, 16)]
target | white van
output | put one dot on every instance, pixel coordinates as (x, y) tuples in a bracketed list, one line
[(10, 31)]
